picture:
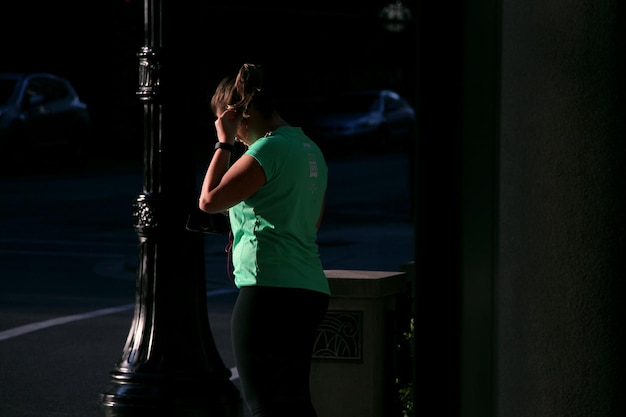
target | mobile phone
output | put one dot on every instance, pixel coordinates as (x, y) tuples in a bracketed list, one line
[(209, 223)]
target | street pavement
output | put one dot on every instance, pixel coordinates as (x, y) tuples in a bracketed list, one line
[(67, 379), (62, 365)]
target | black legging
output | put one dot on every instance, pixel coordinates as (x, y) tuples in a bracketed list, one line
[(273, 331)]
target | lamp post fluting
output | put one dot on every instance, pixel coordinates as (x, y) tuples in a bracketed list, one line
[(169, 364)]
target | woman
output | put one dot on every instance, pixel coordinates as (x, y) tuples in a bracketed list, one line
[(274, 194)]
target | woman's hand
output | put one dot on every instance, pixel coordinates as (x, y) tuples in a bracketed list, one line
[(226, 126)]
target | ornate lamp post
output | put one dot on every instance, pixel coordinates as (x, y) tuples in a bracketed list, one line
[(170, 364)]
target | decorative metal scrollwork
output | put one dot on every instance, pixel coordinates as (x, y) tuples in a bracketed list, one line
[(149, 74), (145, 213), (339, 336)]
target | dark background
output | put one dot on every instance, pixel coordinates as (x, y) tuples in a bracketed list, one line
[(308, 50)]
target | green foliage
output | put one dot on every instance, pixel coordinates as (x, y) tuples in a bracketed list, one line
[(404, 383), (405, 395)]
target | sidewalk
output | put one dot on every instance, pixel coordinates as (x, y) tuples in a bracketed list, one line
[(70, 385)]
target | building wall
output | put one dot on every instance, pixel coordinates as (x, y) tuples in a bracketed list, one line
[(520, 202), (559, 282)]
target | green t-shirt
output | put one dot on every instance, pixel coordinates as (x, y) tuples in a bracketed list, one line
[(274, 230)]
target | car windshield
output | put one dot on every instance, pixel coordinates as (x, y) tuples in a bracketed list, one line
[(6, 90), (352, 103)]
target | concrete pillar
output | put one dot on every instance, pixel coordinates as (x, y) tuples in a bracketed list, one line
[(352, 373), (560, 292), (521, 202)]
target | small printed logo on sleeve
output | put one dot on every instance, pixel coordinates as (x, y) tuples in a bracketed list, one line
[(313, 169)]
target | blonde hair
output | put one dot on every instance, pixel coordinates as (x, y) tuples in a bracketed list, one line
[(242, 92)]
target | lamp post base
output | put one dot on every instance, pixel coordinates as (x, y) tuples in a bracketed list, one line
[(143, 395)]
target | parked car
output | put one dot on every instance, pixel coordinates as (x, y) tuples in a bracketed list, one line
[(41, 115), (372, 117)]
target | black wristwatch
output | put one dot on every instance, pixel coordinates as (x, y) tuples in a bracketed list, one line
[(226, 146)]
